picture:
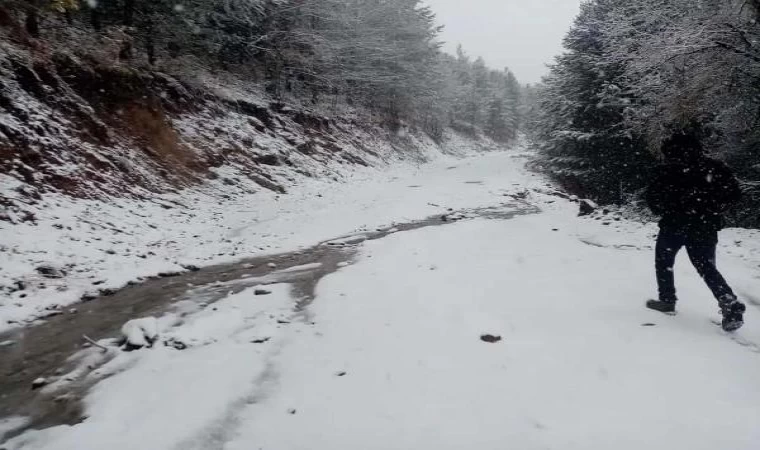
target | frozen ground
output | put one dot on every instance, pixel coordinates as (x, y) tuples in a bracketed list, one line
[(390, 353), (89, 247)]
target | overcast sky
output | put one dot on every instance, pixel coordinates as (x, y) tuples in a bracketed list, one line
[(523, 35)]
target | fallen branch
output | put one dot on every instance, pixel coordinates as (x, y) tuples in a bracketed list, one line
[(92, 341)]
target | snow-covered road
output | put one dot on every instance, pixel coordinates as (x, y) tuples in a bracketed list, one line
[(390, 354)]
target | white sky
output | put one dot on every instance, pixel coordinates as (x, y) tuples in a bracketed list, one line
[(523, 35)]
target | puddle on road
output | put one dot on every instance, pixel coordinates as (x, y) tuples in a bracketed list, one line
[(46, 349)]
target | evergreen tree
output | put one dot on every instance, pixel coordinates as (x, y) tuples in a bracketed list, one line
[(581, 130)]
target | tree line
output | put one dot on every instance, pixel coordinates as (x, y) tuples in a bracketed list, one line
[(635, 71), (383, 55)]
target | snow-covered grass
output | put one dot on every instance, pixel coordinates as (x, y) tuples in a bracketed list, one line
[(390, 356)]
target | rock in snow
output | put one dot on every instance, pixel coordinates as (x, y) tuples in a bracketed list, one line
[(140, 333), (490, 338), (39, 382), (49, 271), (587, 207)]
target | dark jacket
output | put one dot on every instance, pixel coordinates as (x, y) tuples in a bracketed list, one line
[(692, 195)]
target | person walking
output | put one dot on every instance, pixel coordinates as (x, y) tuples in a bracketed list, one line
[(691, 192)]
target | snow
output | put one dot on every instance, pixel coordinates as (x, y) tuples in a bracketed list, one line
[(575, 368), (106, 244), (301, 268), (389, 354), (140, 332), (167, 394), (11, 423)]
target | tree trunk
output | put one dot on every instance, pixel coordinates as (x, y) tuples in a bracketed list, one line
[(125, 53), (129, 12), (150, 48), (95, 18), (32, 22)]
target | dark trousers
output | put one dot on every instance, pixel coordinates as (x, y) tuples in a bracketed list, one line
[(701, 251)]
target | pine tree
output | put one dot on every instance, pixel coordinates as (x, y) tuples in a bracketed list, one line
[(582, 132)]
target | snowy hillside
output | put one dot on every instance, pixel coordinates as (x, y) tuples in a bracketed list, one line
[(129, 150), (80, 248), (109, 174)]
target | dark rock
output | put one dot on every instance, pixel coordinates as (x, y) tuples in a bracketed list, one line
[(262, 181), (107, 292), (176, 344), (191, 267), (128, 347), (306, 148), (168, 274), (39, 383), (268, 160), (648, 324), (491, 339), (341, 374), (261, 113), (586, 207), (88, 297), (262, 292), (261, 341), (51, 272)]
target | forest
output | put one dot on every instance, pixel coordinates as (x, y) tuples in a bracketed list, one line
[(635, 71), (380, 55)]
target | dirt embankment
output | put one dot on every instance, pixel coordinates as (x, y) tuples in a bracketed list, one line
[(87, 125)]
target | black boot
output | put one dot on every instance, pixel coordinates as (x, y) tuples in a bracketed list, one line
[(663, 306), (733, 313)]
